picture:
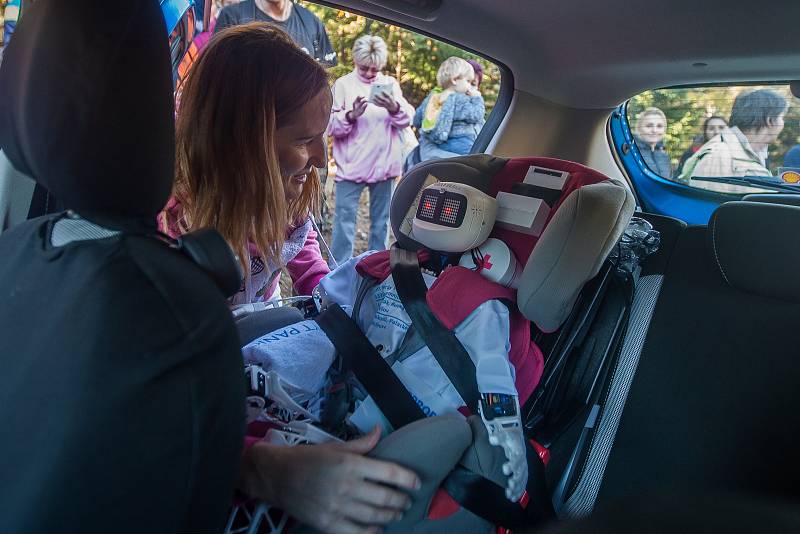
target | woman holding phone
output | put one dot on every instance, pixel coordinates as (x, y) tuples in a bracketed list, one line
[(368, 115)]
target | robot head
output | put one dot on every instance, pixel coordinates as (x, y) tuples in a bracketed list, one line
[(453, 217)]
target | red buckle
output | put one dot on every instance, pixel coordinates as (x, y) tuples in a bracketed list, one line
[(542, 451)]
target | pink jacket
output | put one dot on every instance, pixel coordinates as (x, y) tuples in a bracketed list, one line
[(370, 149), (300, 254)]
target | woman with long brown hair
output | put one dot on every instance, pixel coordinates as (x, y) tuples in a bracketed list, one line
[(250, 131), (247, 148)]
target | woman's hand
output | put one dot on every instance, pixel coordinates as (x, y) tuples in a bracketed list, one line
[(332, 486), (387, 101), (359, 107)]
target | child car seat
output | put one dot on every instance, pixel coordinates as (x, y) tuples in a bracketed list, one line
[(588, 214), (585, 222)]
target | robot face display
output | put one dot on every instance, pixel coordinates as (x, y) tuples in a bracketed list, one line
[(453, 217), (446, 208)]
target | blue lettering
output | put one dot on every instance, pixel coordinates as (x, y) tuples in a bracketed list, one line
[(426, 410)]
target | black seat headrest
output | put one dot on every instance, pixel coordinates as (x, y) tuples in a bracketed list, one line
[(774, 198), (756, 247), (86, 105)]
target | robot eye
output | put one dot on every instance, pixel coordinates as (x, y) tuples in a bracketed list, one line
[(428, 207)]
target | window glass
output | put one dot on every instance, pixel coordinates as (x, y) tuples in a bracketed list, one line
[(413, 59), (721, 138)]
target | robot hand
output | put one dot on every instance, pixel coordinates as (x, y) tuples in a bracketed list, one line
[(500, 414), (265, 385)]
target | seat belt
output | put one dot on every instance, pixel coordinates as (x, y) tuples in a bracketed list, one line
[(359, 356), (448, 351), (472, 491), (487, 499)]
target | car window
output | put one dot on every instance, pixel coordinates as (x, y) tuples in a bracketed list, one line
[(422, 66), (414, 61), (727, 139)]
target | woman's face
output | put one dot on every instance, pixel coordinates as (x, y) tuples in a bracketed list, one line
[(714, 127), (651, 128), (368, 72), (301, 143), (475, 83)]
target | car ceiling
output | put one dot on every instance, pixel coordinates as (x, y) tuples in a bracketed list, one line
[(598, 53)]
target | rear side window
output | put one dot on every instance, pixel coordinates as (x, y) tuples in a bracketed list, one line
[(413, 59), (726, 139)]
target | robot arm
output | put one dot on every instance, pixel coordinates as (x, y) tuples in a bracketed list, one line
[(501, 416)]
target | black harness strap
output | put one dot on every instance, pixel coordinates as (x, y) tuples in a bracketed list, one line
[(486, 499), (443, 343), (370, 369)]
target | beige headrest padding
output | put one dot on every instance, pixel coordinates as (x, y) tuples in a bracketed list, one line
[(571, 251)]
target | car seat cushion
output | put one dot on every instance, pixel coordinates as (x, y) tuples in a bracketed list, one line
[(514, 172), (430, 447), (571, 251), (584, 224), (756, 247)]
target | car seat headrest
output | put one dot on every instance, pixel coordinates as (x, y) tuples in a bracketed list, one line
[(476, 171), (774, 198), (571, 250), (586, 216), (86, 104), (756, 247)]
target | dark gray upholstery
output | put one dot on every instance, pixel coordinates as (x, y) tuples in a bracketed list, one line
[(756, 247), (774, 198), (713, 403), (121, 391)]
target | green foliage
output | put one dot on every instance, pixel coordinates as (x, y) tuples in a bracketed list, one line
[(687, 109), (413, 58)]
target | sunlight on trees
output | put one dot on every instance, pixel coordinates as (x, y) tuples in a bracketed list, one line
[(413, 58)]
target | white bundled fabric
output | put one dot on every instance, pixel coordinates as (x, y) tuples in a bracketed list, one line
[(300, 354), (341, 284)]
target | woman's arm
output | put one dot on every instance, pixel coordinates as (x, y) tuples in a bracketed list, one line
[(308, 267), (331, 486), (402, 118)]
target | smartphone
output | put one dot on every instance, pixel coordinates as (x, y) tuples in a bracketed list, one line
[(377, 88)]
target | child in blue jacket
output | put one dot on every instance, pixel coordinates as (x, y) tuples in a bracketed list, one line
[(450, 117)]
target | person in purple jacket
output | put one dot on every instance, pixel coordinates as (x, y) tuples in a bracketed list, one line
[(367, 144)]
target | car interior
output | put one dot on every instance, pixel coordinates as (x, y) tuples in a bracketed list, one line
[(671, 386)]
